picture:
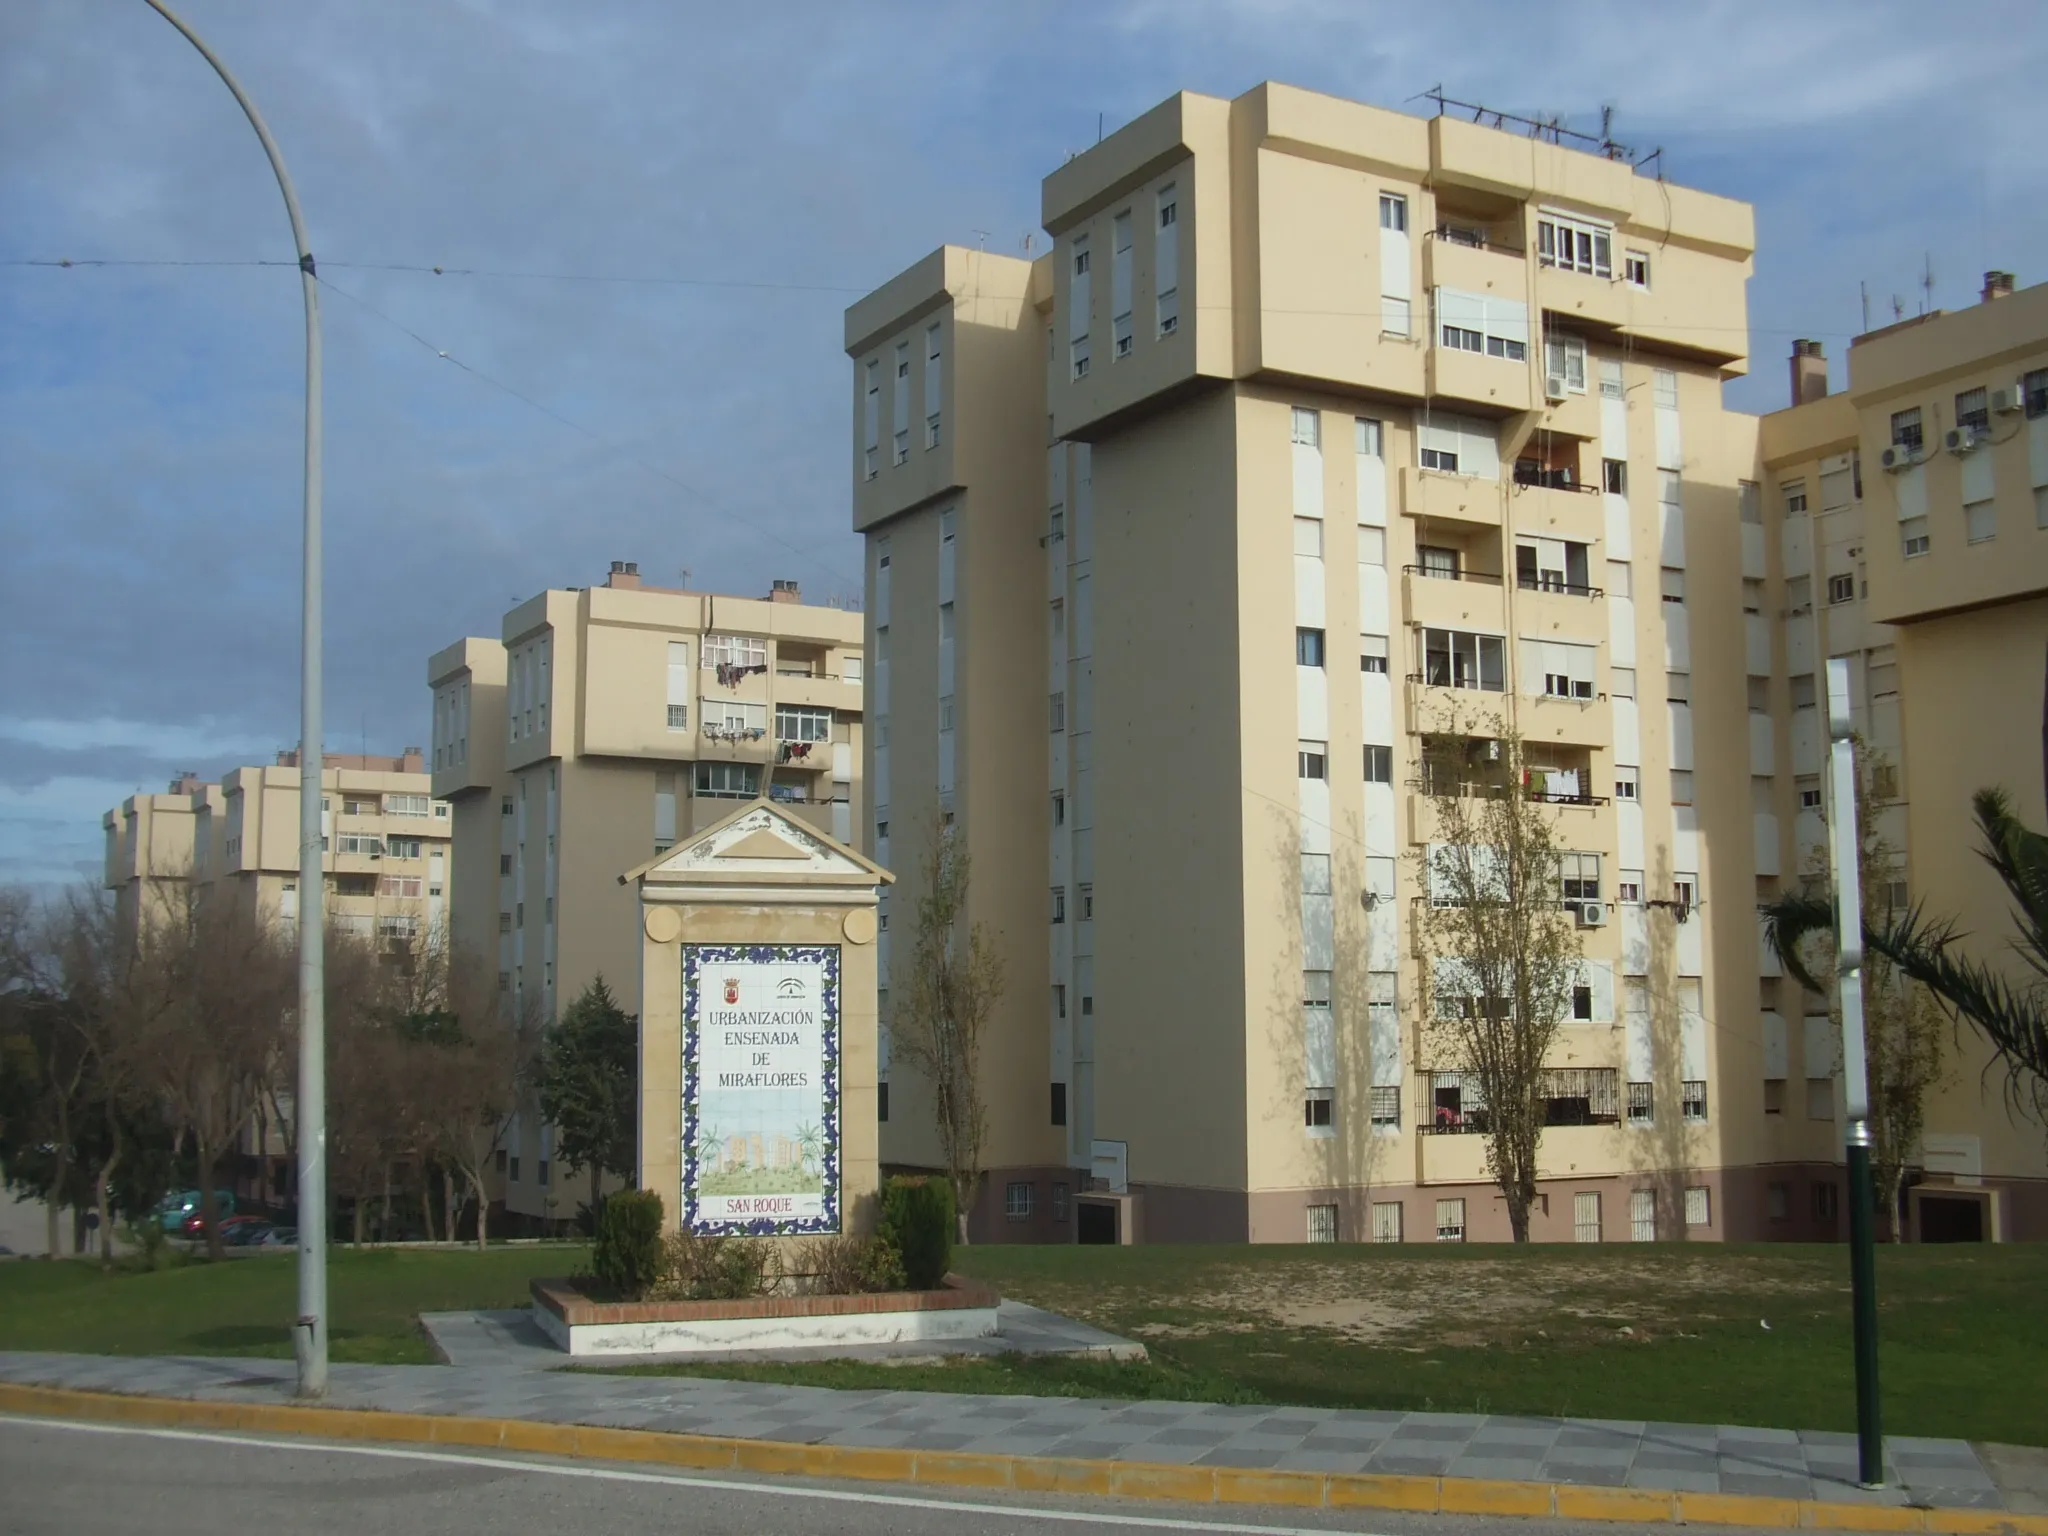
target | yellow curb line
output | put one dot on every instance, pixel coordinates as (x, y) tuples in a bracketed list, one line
[(1024, 1474)]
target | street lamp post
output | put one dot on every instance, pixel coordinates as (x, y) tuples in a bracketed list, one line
[(309, 1334), (1844, 848)]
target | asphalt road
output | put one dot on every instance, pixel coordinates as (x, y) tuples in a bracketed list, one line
[(82, 1479)]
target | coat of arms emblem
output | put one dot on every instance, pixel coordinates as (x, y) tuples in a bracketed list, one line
[(732, 989)]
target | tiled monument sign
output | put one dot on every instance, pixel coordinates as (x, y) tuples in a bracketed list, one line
[(757, 1029)]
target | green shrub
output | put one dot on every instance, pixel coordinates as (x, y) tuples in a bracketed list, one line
[(627, 1254), (702, 1268), (851, 1265), (917, 1221)]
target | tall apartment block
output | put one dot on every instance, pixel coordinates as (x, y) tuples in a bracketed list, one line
[(1304, 381), (603, 724), (386, 840), (1904, 525)]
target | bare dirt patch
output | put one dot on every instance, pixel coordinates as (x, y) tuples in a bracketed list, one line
[(1471, 1302)]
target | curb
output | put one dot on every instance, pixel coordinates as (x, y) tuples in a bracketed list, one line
[(1025, 1474)]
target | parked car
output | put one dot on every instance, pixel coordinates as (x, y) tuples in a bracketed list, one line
[(279, 1237), (239, 1231), (180, 1212)]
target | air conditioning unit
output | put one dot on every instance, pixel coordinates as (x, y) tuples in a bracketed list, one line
[(2007, 400), (1555, 388), (1592, 914), (1897, 457), (1960, 440)]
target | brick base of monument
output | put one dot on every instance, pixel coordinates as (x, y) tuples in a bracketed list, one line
[(586, 1326)]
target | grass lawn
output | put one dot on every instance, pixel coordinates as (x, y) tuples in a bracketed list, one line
[(245, 1306), (1662, 1332)]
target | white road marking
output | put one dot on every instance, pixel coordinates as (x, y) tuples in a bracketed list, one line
[(673, 1480)]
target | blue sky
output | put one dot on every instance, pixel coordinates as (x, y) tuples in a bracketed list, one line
[(149, 415)]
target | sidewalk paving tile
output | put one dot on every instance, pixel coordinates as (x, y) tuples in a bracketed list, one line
[(1598, 1474), (1674, 1479)]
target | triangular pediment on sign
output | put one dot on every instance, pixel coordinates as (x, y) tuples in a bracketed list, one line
[(760, 840)]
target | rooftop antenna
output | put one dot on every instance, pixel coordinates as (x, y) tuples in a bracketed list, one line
[(981, 238), (1863, 288), (1098, 127), (1898, 309), (1927, 282), (685, 573)]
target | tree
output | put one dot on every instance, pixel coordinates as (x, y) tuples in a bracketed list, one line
[(1505, 955), (587, 1078), (204, 1005), (2011, 1016), (954, 984)]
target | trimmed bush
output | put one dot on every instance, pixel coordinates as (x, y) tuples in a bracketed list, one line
[(917, 1221), (627, 1256)]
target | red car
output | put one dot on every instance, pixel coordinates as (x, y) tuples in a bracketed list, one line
[(195, 1225)]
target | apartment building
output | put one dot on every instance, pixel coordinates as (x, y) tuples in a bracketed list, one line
[(1904, 525), (600, 726), (386, 842), (1303, 379)]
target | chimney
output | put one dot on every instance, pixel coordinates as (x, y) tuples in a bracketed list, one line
[(412, 761), (287, 757), (1997, 285), (785, 592), (625, 575), (1809, 372), (186, 783)]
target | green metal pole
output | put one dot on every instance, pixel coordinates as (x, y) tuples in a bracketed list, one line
[(1863, 1283)]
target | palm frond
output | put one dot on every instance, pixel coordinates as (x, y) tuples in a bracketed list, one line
[(2020, 858), (1788, 922)]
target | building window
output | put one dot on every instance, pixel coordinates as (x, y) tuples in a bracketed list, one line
[(1664, 388), (1641, 1104), (1059, 808), (504, 863), (1087, 892), (1394, 212), (1827, 1202), (1379, 765), (1614, 476), (1820, 1098), (797, 722), (1316, 1108), (1372, 653), (1307, 429), (1059, 1103), (1017, 1200), (1841, 589), (1442, 459), (1059, 904), (1386, 1108), (1642, 1216), (1636, 268), (1795, 497), (1059, 1202), (945, 714), (1386, 1221), (1973, 410), (1575, 245), (2035, 388), (1778, 1202), (1629, 887), (1059, 711), (1312, 760), (1579, 876), (1564, 365), (1452, 658), (1625, 783), (1459, 339), (1906, 431), (1450, 1221), (1681, 786), (1322, 1223), (1692, 1100), (1913, 537), (1308, 647), (728, 781), (1586, 1217), (1980, 521)]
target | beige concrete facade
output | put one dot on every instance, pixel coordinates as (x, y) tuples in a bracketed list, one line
[(387, 843), (1923, 558), (1301, 381), (602, 725)]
